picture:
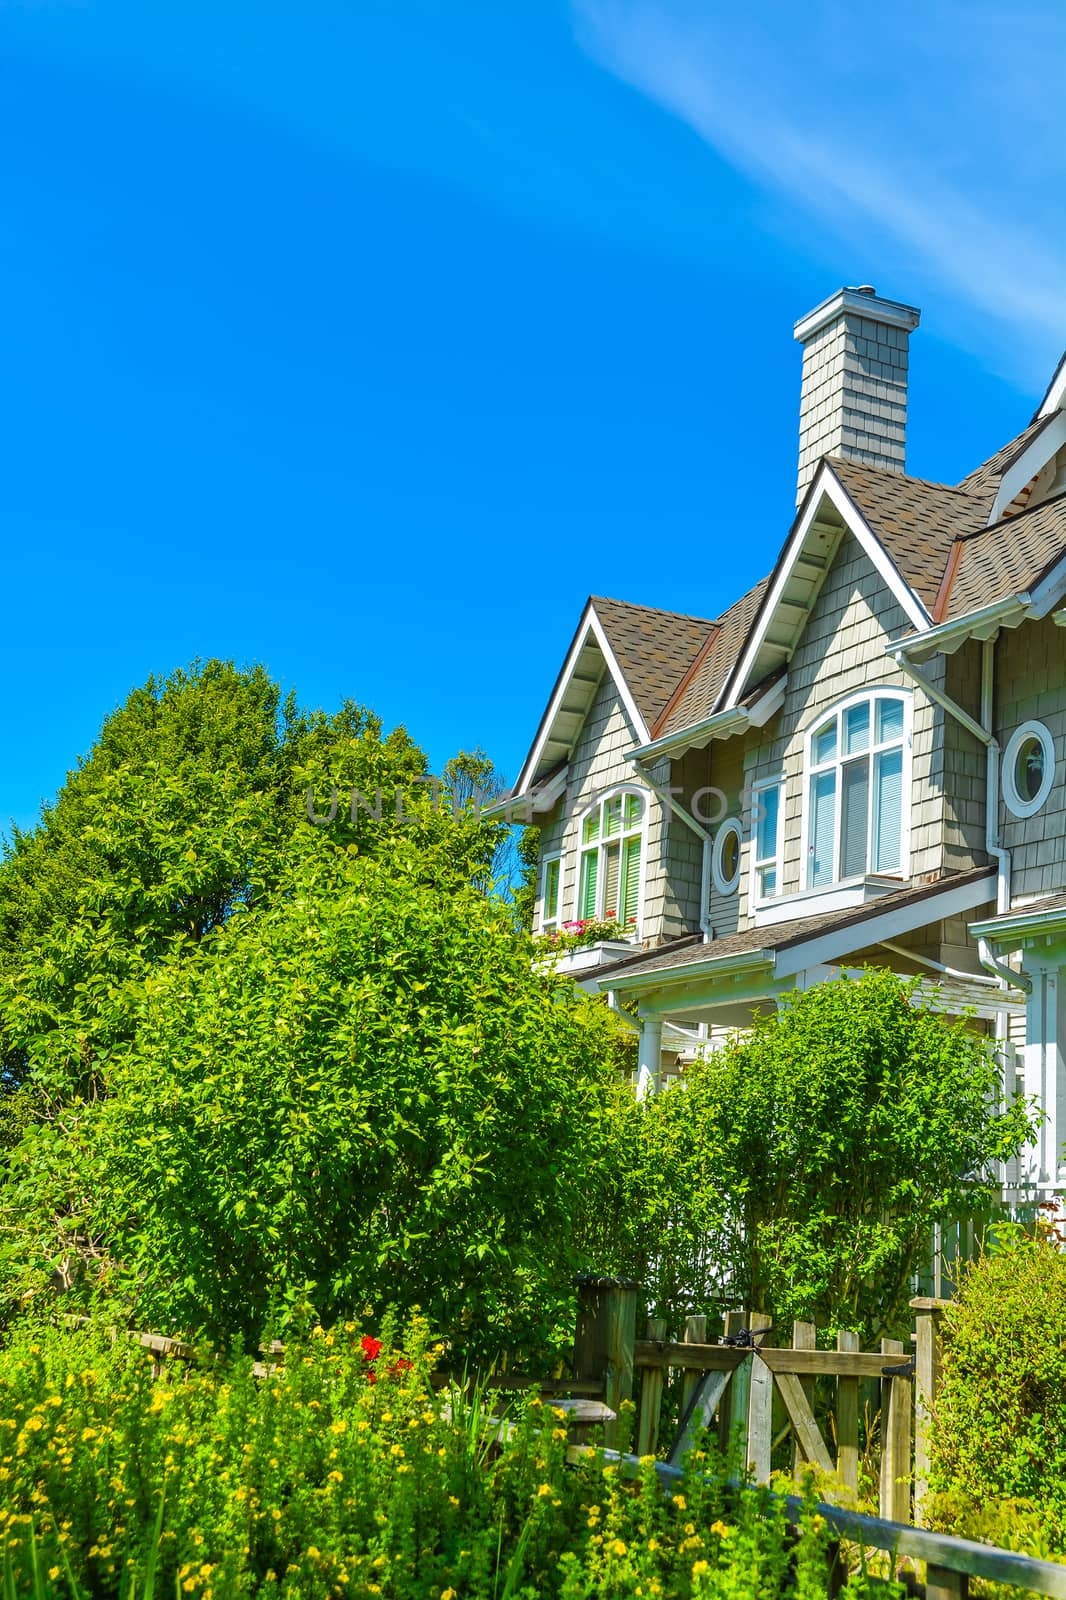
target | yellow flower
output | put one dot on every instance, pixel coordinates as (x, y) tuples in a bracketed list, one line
[(545, 1489), (616, 1547), (53, 1573), (699, 1568), (313, 1552), (35, 1424), (679, 1502), (338, 1427), (396, 1450), (336, 1477), (721, 1530), (453, 1500), (449, 1594)]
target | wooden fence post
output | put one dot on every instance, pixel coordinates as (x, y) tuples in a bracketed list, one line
[(603, 1340), (847, 1420), (651, 1396), (733, 1408), (928, 1314), (895, 1438), (760, 1407), (804, 1337), (695, 1333)]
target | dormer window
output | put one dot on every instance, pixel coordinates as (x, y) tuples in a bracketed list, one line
[(856, 789), (612, 844)]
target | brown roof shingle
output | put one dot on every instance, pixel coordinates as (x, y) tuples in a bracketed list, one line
[(694, 697), (783, 935), (653, 648), (916, 521), (984, 480), (1007, 558)]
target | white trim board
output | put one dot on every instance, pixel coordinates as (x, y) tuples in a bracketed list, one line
[(1056, 392), (590, 626), (826, 486), (1036, 454)]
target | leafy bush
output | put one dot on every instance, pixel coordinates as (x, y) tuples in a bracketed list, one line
[(801, 1167), (998, 1450), (358, 1093), (316, 1482)]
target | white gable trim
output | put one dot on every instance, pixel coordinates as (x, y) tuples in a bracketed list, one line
[(826, 486), (590, 624), (1056, 394), (640, 727), (1035, 455)]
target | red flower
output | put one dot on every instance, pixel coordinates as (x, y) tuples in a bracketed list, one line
[(372, 1348)]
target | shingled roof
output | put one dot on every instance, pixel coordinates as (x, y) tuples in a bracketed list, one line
[(653, 648), (984, 480), (695, 696), (785, 935), (916, 521), (1007, 558)]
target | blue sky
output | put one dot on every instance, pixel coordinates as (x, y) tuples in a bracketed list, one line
[(365, 340)]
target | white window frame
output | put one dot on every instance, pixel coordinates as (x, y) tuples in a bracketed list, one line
[(724, 885), (602, 843), (837, 710), (1016, 804), (755, 898), (552, 925)]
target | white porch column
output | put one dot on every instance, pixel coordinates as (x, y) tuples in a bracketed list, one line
[(1044, 1163), (649, 1076)]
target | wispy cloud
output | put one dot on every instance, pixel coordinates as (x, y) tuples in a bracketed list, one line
[(932, 137)]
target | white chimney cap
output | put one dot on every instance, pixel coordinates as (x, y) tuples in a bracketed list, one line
[(864, 302)]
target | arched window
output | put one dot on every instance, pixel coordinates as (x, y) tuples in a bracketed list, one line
[(857, 789), (612, 847)]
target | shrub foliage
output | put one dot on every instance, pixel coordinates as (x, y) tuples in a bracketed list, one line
[(998, 1466)]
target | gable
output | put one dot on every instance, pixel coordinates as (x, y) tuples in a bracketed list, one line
[(828, 511), (643, 651)]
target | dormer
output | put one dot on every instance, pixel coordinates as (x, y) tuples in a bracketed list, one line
[(1038, 471)]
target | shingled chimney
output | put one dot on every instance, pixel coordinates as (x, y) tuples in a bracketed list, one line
[(853, 399)]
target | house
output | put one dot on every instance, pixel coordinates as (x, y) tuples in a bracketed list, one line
[(861, 760)]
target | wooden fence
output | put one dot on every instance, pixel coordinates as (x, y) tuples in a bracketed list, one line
[(757, 1395)]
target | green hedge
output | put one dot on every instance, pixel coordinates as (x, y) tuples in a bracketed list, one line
[(999, 1440)]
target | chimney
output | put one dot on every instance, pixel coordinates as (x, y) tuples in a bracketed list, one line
[(853, 398)]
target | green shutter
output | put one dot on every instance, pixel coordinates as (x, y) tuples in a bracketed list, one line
[(611, 868), (589, 874), (630, 908), (634, 810), (551, 891), (612, 817), (591, 828)]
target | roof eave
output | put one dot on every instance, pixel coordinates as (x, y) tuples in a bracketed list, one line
[(745, 961), (948, 636), (1018, 927)]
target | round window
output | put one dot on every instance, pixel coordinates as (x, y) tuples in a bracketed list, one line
[(1028, 768), (725, 862)]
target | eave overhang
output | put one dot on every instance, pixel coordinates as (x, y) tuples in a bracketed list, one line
[(721, 725), (947, 637), (1014, 929)]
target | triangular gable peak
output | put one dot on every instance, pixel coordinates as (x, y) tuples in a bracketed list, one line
[(644, 651), (1037, 472), (827, 513)]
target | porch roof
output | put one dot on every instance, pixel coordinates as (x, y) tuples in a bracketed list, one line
[(786, 948)]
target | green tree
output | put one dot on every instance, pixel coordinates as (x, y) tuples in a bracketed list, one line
[(359, 1092), (196, 798), (801, 1167)]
